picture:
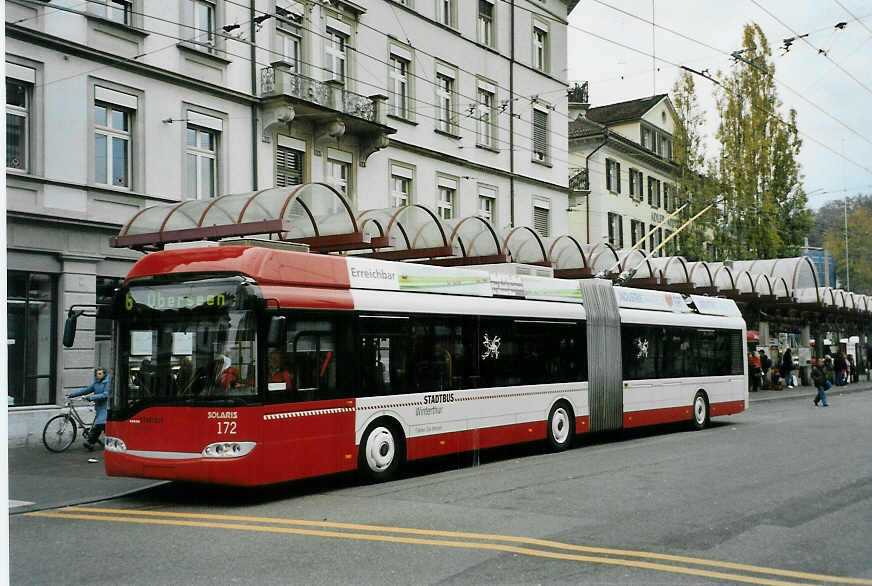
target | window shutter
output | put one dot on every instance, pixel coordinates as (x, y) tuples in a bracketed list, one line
[(289, 167), (541, 220), (540, 135)]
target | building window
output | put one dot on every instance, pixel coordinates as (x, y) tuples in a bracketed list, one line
[(485, 124), (656, 237), (542, 216), (289, 166), (18, 97), (668, 197), (613, 176), (30, 314), (637, 232), (616, 231), (401, 185), (487, 203), (646, 138), (115, 10), (112, 135), (199, 23), (637, 189), (201, 148), (653, 192), (335, 55), (445, 101), (486, 22), (399, 84), (540, 47), (289, 38), (445, 12), (446, 198), (540, 136), (339, 171)]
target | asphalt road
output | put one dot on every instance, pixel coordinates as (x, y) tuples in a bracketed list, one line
[(779, 494)]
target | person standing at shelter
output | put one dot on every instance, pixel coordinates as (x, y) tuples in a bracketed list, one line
[(765, 367), (754, 373), (787, 368), (840, 365), (99, 394)]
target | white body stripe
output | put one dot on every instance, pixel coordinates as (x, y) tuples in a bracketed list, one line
[(643, 395), (406, 302), (469, 409)]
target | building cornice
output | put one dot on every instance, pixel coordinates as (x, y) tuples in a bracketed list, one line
[(631, 148), (67, 47)]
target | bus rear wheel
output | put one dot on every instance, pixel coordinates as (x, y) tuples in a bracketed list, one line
[(561, 426), (381, 451), (700, 411)]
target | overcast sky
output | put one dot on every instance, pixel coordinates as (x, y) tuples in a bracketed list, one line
[(834, 111)]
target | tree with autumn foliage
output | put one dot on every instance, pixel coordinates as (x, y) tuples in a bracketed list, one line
[(691, 181), (762, 213), (859, 250)]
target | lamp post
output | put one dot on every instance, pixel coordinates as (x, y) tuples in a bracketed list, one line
[(847, 267)]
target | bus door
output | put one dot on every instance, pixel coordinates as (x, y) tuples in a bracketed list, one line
[(605, 382), (306, 386)]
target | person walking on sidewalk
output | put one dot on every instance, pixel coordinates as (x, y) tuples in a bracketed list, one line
[(99, 394), (787, 367), (819, 378), (841, 366)]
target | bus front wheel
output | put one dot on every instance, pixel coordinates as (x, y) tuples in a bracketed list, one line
[(381, 451), (700, 411), (560, 426)]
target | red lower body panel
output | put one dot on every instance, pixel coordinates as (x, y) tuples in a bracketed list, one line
[(490, 437), (672, 414)]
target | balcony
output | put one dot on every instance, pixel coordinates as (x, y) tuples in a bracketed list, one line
[(328, 105), (579, 181), (279, 80)]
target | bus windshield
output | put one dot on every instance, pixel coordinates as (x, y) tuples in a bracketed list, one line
[(194, 354)]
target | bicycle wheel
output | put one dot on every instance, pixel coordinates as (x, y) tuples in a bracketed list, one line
[(59, 433)]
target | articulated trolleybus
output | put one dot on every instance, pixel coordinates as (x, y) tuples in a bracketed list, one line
[(242, 364)]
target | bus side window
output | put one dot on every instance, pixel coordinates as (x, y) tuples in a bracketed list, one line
[(383, 348)]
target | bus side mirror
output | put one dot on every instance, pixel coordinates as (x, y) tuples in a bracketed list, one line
[(70, 327), (276, 336)]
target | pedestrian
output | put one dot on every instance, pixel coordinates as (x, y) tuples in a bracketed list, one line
[(840, 365), (852, 369), (765, 366), (99, 394), (787, 368), (754, 372), (819, 378)]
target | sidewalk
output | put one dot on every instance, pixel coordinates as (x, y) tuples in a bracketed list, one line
[(39, 479)]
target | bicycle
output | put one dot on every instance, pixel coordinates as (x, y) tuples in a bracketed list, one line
[(60, 431)]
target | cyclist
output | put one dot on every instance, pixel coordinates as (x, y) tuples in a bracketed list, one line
[(99, 391)]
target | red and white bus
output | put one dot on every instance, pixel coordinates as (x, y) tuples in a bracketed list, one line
[(248, 365)]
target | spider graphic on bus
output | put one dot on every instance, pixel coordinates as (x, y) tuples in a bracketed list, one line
[(492, 346), (641, 348)]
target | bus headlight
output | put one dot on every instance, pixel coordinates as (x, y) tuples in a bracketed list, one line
[(227, 449), (113, 444)]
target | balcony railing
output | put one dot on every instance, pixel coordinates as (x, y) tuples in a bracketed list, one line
[(579, 181), (278, 80)]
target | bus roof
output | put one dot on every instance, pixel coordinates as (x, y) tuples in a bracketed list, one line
[(269, 266)]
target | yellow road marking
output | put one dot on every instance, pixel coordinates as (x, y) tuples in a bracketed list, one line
[(104, 514)]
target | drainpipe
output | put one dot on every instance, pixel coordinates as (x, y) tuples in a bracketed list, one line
[(587, 170), (254, 105), (512, 119)]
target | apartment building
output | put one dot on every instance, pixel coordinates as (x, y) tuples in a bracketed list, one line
[(622, 171), (115, 105)]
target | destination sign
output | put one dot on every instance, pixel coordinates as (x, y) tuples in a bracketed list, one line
[(188, 296)]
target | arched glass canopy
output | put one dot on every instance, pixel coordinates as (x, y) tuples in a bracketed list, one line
[(524, 245), (671, 271), (313, 213), (602, 257), (475, 240), (568, 257), (411, 232)]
